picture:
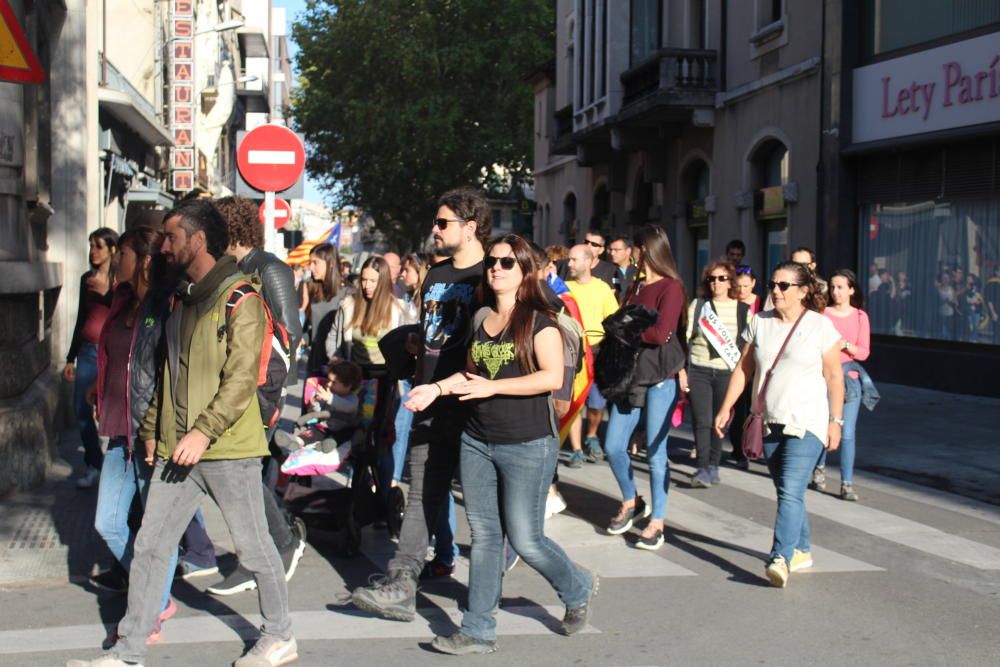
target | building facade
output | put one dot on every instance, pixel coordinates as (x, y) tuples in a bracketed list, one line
[(912, 155), (141, 105), (864, 129)]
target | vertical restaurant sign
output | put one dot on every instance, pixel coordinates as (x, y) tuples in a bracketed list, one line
[(181, 110)]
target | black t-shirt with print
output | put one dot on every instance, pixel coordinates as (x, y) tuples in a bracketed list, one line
[(448, 298), (506, 419)]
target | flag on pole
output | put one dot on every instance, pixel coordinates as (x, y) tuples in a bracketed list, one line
[(300, 254)]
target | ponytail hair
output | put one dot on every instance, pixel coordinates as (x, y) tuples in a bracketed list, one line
[(815, 298)]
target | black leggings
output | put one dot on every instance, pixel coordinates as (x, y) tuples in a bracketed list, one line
[(708, 388)]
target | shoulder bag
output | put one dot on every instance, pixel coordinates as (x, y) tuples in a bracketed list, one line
[(753, 427)]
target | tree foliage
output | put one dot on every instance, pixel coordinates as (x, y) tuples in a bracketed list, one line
[(401, 100)]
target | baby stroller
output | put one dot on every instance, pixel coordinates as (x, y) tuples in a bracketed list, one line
[(338, 511)]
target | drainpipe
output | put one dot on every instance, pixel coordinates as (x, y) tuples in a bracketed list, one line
[(104, 43), (821, 209)]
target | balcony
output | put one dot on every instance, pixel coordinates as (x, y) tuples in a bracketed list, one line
[(672, 79), (562, 142)]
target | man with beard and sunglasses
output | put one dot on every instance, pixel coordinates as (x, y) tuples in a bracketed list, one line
[(204, 434), (449, 297)]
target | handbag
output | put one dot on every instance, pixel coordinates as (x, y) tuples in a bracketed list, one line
[(753, 427)]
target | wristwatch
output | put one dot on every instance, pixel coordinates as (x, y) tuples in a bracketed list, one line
[(837, 421)]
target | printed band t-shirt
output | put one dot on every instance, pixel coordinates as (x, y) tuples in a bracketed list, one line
[(797, 394), (448, 297), (506, 419)]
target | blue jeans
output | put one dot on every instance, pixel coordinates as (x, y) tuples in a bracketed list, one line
[(86, 376), (848, 438), (122, 478), (791, 462), (505, 489), (660, 401), (445, 549)]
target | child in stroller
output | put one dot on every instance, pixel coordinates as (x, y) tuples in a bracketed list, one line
[(332, 418)]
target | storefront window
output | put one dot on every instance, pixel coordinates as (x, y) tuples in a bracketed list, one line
[(895, 24), (932, 270)]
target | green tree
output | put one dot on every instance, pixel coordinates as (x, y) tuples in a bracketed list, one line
[(401, 100)]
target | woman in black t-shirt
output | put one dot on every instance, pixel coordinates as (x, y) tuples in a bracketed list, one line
[(509, 446)]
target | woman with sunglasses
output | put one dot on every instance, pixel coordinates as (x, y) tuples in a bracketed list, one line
[(509, 447), (803, 406), (660, 360), (716, 320)]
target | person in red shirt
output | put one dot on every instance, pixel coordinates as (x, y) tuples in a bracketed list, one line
[(661, 359)]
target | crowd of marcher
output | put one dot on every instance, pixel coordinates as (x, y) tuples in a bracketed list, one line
[(486, 356)]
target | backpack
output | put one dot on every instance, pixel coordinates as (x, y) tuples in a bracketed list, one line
[(274, 356)]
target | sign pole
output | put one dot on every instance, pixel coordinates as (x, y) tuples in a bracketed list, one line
[(269, 230)]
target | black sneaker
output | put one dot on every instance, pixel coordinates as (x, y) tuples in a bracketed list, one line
[(393, 597), (114, 579), (462, 644), (576, 619), (237, 582), (651, 543), (622, 522)]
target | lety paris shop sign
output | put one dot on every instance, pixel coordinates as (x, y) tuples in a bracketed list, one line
[(956, 85)]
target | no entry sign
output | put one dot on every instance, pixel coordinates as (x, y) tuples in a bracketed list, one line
[(271, 158), (282, 213)]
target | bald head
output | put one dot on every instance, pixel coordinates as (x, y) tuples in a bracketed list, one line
[(581, 262), (392, 259)]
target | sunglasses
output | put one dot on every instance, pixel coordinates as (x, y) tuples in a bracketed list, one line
[(595, 244), (783, 286), (442, 223), (721, 279), (506, 263)]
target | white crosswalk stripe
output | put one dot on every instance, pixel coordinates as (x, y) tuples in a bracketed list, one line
[(319, 625), (900, 530)]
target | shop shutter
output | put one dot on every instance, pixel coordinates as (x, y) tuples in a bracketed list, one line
[(920, 174), (969, 169), (878, 179)]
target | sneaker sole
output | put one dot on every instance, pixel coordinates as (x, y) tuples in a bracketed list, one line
[(776, 579), (299, 550), (798, 567), (467, 650), (390, 613), (650, 547), (239, 588), (618, 531), (204, 572)]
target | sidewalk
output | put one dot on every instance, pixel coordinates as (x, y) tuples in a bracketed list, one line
[(934, 439)]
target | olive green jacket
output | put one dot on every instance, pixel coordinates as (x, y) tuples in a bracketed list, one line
[(223, 363)]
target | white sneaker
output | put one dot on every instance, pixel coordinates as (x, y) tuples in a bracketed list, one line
[(91, 477), (270, 652), (554, 504)]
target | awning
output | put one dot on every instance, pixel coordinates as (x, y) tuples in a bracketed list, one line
[(141, 194), (119, 98), (253, 42)]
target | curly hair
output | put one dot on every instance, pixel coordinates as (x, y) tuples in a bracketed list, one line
[(471, 205), (705, 290), (815, 298), (242, 221)]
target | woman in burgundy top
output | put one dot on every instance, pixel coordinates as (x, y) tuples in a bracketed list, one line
[(661, 358), (81, 361)]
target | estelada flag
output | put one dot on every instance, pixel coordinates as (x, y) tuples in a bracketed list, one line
[(300, 254)]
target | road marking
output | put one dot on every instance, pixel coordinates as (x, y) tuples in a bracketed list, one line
[(271, 157), (706, 520), (881, 524), (308, 625)]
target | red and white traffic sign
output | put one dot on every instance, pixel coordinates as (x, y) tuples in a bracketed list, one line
[(271, 158), (282, 213)]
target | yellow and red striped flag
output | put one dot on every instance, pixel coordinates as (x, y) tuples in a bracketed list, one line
[(300, 254)]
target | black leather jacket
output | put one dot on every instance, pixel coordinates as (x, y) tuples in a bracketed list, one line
[(278, 291)]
